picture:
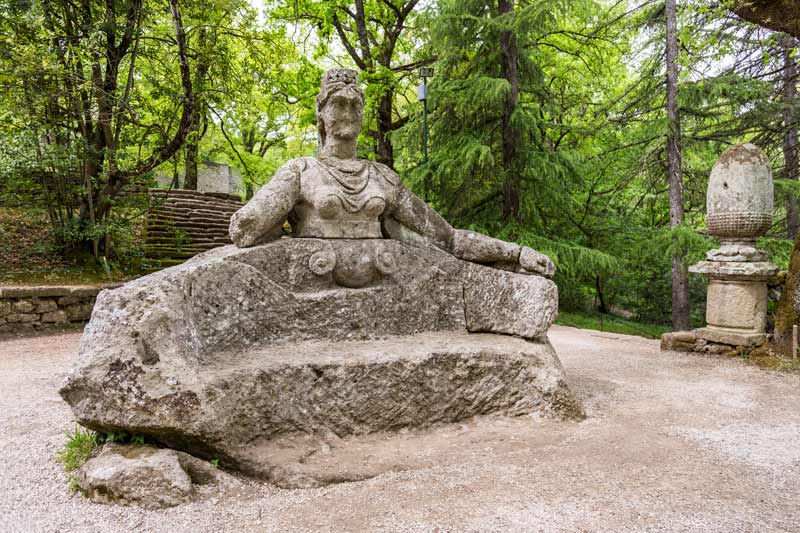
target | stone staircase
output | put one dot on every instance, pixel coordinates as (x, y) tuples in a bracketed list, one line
[(182, 223)]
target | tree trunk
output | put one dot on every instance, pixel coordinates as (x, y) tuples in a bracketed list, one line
[(190, 163), (100, 198), (385, 153), (786, 314), (777, 15), (602, 306), (680, 277), (196, 133), (790, 154), (510, 70)]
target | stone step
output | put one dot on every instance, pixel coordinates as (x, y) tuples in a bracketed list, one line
[(163, 263), (150, 248), (195, 194), (194, 216), (185, 206), (185, 210), (216, 237), (195, 234), (216, 226), (170, 254), (191, 242)]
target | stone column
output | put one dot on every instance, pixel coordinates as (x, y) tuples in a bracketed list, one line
[(738, 211)]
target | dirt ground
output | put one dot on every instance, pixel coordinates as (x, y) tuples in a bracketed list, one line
[(672, 442)]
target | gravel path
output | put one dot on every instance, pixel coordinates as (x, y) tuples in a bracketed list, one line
[(673, 442)]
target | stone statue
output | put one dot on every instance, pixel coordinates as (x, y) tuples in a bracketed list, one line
[(739, 205), (337, 196), (738, 211), (380, 317)]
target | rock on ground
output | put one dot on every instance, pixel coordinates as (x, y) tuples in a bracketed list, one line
[(146, 476)]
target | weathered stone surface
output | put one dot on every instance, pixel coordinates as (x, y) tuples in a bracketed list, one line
[(733, 338), (54, 317), (737, 304), (5, 308), (504, 302), (224, 354), (679, 341), (733, 270), (135, 475), (737, 252), (739, 198), (69, 300), (245, 405), (79, 312), (45, 306), (24, 306), (531, 261)]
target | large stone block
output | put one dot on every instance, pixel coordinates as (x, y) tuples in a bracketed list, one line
[(21, 317), (239, 351), (505, 302), (737, 304), (732, 337), (244, 406)]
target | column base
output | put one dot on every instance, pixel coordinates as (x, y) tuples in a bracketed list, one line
[(733, 337)]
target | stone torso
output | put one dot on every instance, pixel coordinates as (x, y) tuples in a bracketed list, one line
[(342, 199)]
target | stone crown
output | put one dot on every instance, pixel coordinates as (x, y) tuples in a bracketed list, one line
[(339, 75)]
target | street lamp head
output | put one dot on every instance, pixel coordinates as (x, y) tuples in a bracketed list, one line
[(425, 72)]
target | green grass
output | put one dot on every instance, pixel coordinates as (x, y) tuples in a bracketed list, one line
[(610, 323), (78, 449), (81, 444)]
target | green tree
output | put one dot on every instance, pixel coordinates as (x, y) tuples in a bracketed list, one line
[(75, 102), (374, 34)]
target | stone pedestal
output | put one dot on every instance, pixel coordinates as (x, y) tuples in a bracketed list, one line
[(736, 306)]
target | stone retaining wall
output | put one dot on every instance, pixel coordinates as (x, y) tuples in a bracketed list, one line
[(29, 308)]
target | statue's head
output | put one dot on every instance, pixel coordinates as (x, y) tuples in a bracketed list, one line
[(340, 105)]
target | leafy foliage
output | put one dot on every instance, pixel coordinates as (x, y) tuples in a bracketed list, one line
[(577, 132)]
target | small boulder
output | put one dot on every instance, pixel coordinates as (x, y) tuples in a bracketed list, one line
[(146, 476), (679, 341)]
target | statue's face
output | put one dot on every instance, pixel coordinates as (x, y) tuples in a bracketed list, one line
[(342, 114)]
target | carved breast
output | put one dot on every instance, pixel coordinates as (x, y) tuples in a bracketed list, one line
[(342, 204)]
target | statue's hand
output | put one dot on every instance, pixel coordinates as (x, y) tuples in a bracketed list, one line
[(533, 262)]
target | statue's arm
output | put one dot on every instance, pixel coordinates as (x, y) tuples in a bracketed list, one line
[(261, 219), (413, 213)]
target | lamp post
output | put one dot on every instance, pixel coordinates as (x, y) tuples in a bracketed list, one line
[(422, 95)]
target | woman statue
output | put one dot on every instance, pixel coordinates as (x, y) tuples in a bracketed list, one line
[(338, 196)]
